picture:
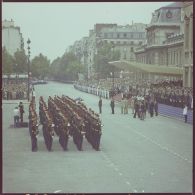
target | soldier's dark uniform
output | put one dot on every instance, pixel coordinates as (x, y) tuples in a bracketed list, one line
[(33, 126), (63, 132)]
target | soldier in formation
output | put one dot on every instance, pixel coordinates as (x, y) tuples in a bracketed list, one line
[(33, 126), (47, 122)]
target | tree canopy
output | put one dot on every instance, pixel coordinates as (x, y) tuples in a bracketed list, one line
[(67, 67), (7, 62), (39, 66), (105, 54)]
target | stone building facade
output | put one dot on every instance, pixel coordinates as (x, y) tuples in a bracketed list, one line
[(125, 38), (164, 38), (170, 39), (12, 38)]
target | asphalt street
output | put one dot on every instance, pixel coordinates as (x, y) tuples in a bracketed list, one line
[(154, 155)]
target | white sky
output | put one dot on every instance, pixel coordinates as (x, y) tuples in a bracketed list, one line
[(52, 27)]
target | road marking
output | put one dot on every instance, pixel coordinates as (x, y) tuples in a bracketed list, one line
[(162, 147), (57, 191)]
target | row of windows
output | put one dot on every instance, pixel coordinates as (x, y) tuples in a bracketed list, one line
[(124, 35), (124, 42)]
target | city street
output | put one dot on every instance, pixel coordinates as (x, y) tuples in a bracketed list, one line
[(154, 155)]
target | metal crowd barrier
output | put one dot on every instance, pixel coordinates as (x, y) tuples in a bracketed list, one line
[(93, 90)]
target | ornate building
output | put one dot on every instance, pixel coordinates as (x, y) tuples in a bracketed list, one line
[(164, 38), (12, 38), (170, 39)]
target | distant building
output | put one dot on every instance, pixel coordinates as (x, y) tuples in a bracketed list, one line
[(125, 38), (12, 38)]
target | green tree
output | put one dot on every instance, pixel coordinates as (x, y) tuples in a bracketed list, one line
[(40, 66), (105, 54), (67, 67), (54, 69), (20, 61), (7, 62)]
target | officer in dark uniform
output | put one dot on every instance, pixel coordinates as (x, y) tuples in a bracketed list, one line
[(100, 105), (112, 105)]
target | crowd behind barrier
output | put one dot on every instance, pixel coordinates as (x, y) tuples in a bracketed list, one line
[(14, 91), (169, 92)]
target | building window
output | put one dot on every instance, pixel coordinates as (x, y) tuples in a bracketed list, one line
[(105, 35), (125, 35), (124, 42), (118, 35), (132, 43), (132, 49)]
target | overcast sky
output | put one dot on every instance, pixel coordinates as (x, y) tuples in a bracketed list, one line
[(52, 27)]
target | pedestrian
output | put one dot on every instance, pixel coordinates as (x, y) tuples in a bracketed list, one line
[(16, 116), (125, 105), (156, 107), (132, 104), (21, 108), (136, 108), (151, 108), (100, 105), (185, 113), (122, 105), (112, 105)]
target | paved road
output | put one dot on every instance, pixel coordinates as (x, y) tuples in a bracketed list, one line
[(154, 155)]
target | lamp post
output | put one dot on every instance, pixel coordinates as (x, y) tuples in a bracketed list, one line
[(28, 42)]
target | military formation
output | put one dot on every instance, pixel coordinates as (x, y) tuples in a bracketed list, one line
[(67, 118)]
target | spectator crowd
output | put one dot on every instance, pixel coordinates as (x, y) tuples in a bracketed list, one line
[(14, 90), (169, 92)]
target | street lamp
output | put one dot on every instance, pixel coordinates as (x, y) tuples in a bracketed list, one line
[(28, 42)]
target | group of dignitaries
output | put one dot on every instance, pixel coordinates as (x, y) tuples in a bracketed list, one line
[(65, 117)]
